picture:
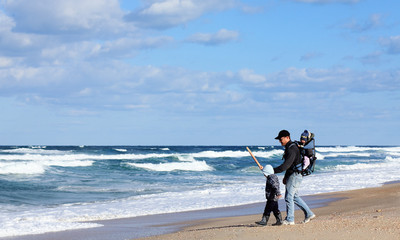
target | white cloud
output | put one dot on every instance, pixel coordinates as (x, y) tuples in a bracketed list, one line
[(391, 44), (63, 69), (5, 62), (374, 21), (117, 85), (310, 56), (7, 23), (70, 52), (85, 92), (113, 84), (14, 43), (59, 33), (372, 58), (79, 112), (122, 45), (248, 75), (66, 17), (333, 80), (170, 13), (252, 9), (292, 96), (220, 37)]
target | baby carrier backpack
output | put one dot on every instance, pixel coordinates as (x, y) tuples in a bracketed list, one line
[(307, 152)]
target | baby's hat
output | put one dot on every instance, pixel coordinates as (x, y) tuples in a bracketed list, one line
[(306, 135)]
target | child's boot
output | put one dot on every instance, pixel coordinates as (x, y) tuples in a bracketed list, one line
[(278, 219), (264, 220)]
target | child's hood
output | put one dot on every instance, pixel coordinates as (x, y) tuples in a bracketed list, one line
[(268, 170)]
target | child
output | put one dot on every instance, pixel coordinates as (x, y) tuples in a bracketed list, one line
[(307, 150), (272, 194)]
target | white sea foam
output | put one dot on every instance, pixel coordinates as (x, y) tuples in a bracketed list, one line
[(203, 154), (273, 153), (215, 154), (37, 167), (72, 216), (29, 168), (121, 149), (356, 176), (344, 149), (394, 151), (34, 151), (85, 189), (319, 156), (347, 154), (236, 154), (23, 225), (39, 157), (72, 157), (34, 155), (392, 159), (173, 166), (190, 164), (352, 151), (356, 166), (74, 163), (42, 147)]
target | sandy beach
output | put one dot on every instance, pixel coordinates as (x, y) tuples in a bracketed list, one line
[(372, 213)]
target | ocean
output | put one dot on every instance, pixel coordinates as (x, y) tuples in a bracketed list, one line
[(55, 188)]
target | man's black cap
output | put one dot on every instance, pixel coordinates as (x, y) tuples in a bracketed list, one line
[(283, 133)]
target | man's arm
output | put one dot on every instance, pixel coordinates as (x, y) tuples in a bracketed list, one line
[(290, 157)]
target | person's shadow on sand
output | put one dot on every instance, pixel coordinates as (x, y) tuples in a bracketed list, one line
[(229, 226)]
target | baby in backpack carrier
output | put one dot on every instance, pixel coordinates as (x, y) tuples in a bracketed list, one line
[(308, 153)]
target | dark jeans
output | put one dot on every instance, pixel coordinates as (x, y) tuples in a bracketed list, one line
[(271, 206)]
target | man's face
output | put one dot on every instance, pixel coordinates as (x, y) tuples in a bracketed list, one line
[(284, 140)]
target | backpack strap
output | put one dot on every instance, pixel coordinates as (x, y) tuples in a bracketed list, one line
[(298, 165)]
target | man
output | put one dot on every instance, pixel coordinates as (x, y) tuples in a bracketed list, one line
[(292, 179)]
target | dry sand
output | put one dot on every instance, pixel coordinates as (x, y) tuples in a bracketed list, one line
[(372, 213)]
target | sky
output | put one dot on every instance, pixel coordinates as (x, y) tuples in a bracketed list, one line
[(199, 72)]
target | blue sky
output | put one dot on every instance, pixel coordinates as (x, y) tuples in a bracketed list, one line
[(199, 72)]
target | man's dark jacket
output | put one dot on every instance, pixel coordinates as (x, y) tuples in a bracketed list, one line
[(292, 157)]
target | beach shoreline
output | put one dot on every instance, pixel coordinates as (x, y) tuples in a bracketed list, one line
[(338, 214), (160, 224), (369, 213)]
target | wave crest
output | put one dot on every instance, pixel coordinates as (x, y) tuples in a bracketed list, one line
[(198, 166)]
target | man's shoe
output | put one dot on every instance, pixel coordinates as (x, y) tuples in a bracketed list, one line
[(286, 222), (307, 219)]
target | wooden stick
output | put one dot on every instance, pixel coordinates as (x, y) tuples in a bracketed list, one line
[(255, 159)]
